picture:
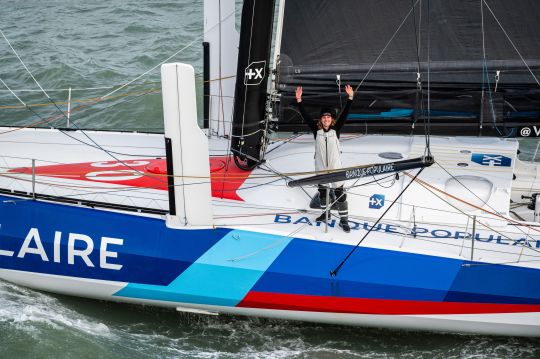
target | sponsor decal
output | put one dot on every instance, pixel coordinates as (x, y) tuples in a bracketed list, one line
[(415, 231), (491, 160), (368, 171), (528, 131), (142, 173), (78, 245), (376, 201), (255, 73)]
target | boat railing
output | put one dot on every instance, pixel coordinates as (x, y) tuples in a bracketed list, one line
[(32, 182)]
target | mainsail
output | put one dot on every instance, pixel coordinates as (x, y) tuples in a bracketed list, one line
[(482, 57)]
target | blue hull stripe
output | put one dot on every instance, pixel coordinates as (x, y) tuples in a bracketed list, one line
[(220, 266), (221, 276), (303, 268)]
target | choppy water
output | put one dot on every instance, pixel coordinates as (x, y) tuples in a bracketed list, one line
[(83, 44)]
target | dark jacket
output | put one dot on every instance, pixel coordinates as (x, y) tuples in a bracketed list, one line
[(340, 121)]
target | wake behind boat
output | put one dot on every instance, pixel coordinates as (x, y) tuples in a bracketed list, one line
[(193, 221)]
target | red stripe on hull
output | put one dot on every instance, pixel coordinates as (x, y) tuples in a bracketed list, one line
[(311, 303)]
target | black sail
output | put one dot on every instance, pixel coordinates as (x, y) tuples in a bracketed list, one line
[(251, 80), (326, 38)]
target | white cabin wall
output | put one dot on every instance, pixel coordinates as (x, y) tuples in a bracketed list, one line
[(220, 32)]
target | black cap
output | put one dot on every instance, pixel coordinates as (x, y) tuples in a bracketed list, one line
[(327, 111)]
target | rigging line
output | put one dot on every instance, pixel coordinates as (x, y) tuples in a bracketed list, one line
[(426, 185), (31, 110), (69, 186), (243, 205), (21, 101), (416, 38), (474, 194), (334, 272), (284, 141), (282, 176), (279, 241), (64, 115), (414, 207), (512, 43), (418, 75), (55, 118), (87, 193), (83, 88), (170, 57), (385, 47), (429, 80), (249, 134), (16, 54), (485, 75), (90, 100)]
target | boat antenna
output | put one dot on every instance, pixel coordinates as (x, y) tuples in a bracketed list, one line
[(334, 272), (419, 101), (428, 127)]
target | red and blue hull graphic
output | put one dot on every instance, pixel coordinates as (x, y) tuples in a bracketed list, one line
[(239, 269)]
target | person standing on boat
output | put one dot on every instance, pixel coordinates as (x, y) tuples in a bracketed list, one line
[(327, 130)]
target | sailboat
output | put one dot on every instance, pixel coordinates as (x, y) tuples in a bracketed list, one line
[(444, 216)]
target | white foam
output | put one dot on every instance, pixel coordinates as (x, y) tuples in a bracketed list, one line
[(26, 308)]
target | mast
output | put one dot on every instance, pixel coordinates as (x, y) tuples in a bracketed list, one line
[(221, 46)]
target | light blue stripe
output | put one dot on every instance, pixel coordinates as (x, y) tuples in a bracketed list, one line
[(221, 276)]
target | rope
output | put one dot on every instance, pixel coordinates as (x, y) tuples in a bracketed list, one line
[(84, 88), (467, 188), (485, 76), (334, 272), (170, 57), (386, 46), (16, 54), (92, 100), (426, 185), (474, 206), (428, 128), (511, 42)]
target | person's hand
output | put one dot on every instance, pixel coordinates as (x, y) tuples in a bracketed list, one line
[(298, 94), (349, 90)]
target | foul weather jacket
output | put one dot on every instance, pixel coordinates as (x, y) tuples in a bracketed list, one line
[(327, 147)]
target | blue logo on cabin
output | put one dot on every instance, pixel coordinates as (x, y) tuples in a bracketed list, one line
[(376, 201), (491, 160)]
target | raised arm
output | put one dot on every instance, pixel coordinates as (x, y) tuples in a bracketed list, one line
[(340, 121), (305, 116)]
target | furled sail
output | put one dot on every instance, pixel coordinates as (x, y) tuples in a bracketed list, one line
[(251, 81), (483, 58)]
